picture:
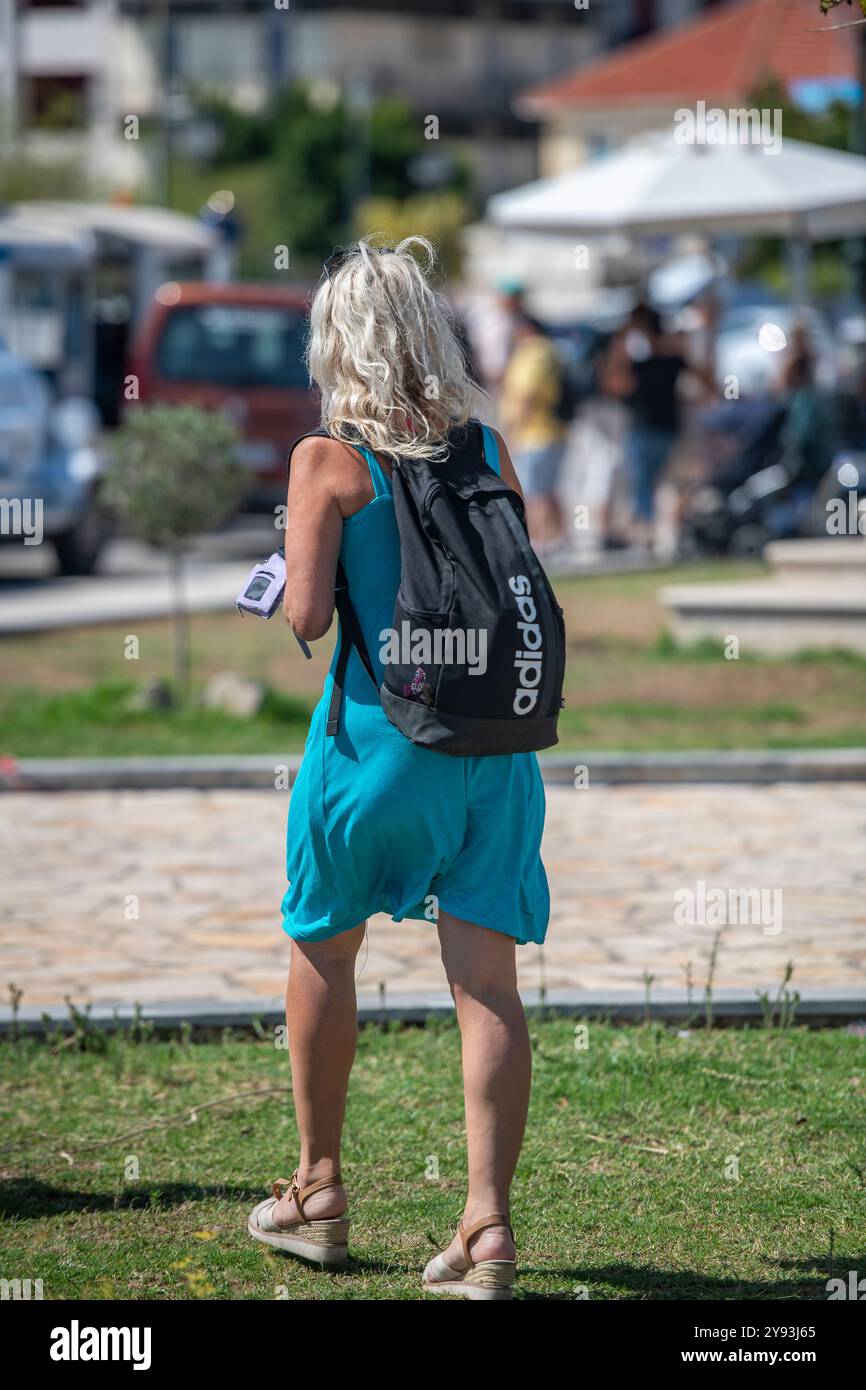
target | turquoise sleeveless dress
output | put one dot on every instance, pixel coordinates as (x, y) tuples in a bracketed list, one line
[(378, 824)]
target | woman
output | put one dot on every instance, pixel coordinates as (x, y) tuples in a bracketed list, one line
[(644, 367), (376, 823)]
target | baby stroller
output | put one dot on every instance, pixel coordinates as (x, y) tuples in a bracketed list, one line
[(764, 462)]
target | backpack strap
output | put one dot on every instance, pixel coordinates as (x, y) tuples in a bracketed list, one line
[(351, 635), (491, 450), (381, 484)]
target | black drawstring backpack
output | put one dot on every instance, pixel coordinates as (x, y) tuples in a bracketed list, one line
[(476, 651)]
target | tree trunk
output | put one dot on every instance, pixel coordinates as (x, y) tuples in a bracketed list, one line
[(860, 148), (180, 618)]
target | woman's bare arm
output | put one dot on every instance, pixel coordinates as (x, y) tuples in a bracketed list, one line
[(314, 530)]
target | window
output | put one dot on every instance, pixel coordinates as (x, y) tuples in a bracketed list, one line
[(56, 103), (236, 345)]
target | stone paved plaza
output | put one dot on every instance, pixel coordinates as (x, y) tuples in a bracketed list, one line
[(205, 872)]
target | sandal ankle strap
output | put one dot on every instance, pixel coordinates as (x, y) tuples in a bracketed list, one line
[(300, 1194), (466, 1233)]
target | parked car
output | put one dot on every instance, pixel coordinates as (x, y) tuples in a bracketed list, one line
[(51, 461), (238, 349)]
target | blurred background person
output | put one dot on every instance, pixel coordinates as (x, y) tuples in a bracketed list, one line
[(529, 409), (644, 368), (491, 319)]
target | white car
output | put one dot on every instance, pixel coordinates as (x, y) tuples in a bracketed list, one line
[(50, 465)]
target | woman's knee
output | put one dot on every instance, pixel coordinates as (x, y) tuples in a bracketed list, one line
[(499, 997), (333, 954), (479, 962)]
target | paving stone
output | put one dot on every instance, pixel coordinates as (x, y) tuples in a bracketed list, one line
[(207, 869)]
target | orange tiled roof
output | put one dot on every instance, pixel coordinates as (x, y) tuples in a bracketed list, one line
[(722, 56)]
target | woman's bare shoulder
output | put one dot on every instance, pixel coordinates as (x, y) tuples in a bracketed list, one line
[(318, 449), (318, 462)]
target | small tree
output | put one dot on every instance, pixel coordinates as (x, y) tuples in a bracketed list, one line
[(175, 475)]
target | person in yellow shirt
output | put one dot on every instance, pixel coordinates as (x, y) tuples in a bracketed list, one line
[(531, 392)]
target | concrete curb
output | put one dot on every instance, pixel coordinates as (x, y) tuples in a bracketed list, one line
[(829, 1006), (216, 572), (558, 769)]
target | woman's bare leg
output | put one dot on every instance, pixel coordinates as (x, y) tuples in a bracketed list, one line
[(322, 1019), (497, 1068)]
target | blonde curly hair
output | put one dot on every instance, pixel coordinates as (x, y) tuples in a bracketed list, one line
[(383, 352)]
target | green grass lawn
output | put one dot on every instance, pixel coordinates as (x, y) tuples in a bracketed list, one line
[(721, 1165), (627, 687)]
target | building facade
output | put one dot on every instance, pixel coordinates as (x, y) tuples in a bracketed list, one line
[(59, 87), (721, 56), (72, 72)]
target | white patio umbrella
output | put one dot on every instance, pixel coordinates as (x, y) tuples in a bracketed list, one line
[(654, 185)]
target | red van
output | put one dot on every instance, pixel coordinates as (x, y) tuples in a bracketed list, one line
[(238, 349)]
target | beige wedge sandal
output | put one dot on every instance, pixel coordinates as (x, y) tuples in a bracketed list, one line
[(321, 1242), (484, 1279)]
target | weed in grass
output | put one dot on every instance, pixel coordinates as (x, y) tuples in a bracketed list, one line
[(84, 1036), (785, 1003), (711, 975), (15, 997)]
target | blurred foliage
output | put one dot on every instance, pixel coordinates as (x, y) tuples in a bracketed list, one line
[(438, 216), (66, 110), (831, 276), (243, 135), (396, 137), (329, 157), (310, 170), (23, 178), (827, 5), (303, 168), (833, 127), (174, 473), (831, 272), (253, 186)]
